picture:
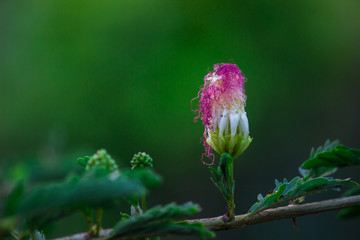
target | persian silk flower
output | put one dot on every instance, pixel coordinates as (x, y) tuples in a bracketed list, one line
[(222, 111)]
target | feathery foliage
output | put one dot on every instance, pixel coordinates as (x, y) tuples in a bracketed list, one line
[(296, 188), (159, 221), (323, 161), (326, 159), (223, 179)]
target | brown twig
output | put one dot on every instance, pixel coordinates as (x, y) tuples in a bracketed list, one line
[(217, 223)]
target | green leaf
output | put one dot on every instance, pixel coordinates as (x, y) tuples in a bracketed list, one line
[(328, 158), (312, 152), (160, 220), (222, 177), (277, 183), (13, 199), (296, 188), (350, 158), (351, 212), (50, 202), (214, 174), (146, 176), (7, 226), (124, 216), (324, 171)]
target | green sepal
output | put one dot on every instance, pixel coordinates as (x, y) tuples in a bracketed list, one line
[(233, 145)]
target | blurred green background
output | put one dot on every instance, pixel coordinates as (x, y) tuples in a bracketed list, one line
[(76, 76)]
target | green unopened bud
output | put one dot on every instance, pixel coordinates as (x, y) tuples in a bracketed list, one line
[(141, 160), (101, 160)]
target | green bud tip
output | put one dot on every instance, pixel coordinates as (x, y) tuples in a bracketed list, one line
[(101, 159), (141, 160)]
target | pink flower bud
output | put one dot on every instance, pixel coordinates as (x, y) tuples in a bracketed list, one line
[(222, 111)]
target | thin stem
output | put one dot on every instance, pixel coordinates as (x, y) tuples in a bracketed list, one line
[(24, 235), (231, 210), (88, 216), (99, 214), (32, 235), (143, 203), (231, 203)]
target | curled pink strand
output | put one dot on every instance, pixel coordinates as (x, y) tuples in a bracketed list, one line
[(210, 155), (196, 111), (208, 152)]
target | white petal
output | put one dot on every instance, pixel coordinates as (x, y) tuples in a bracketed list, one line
[(223, 122), (215, 119), (234, 121), (244, 125)]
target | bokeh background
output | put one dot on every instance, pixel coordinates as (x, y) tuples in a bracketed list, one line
[(76, 76)]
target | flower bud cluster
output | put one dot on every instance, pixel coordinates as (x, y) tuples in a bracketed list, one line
[(140, 160), (102, 160)]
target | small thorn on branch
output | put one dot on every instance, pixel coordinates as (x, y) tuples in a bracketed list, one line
[(294, 224)]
